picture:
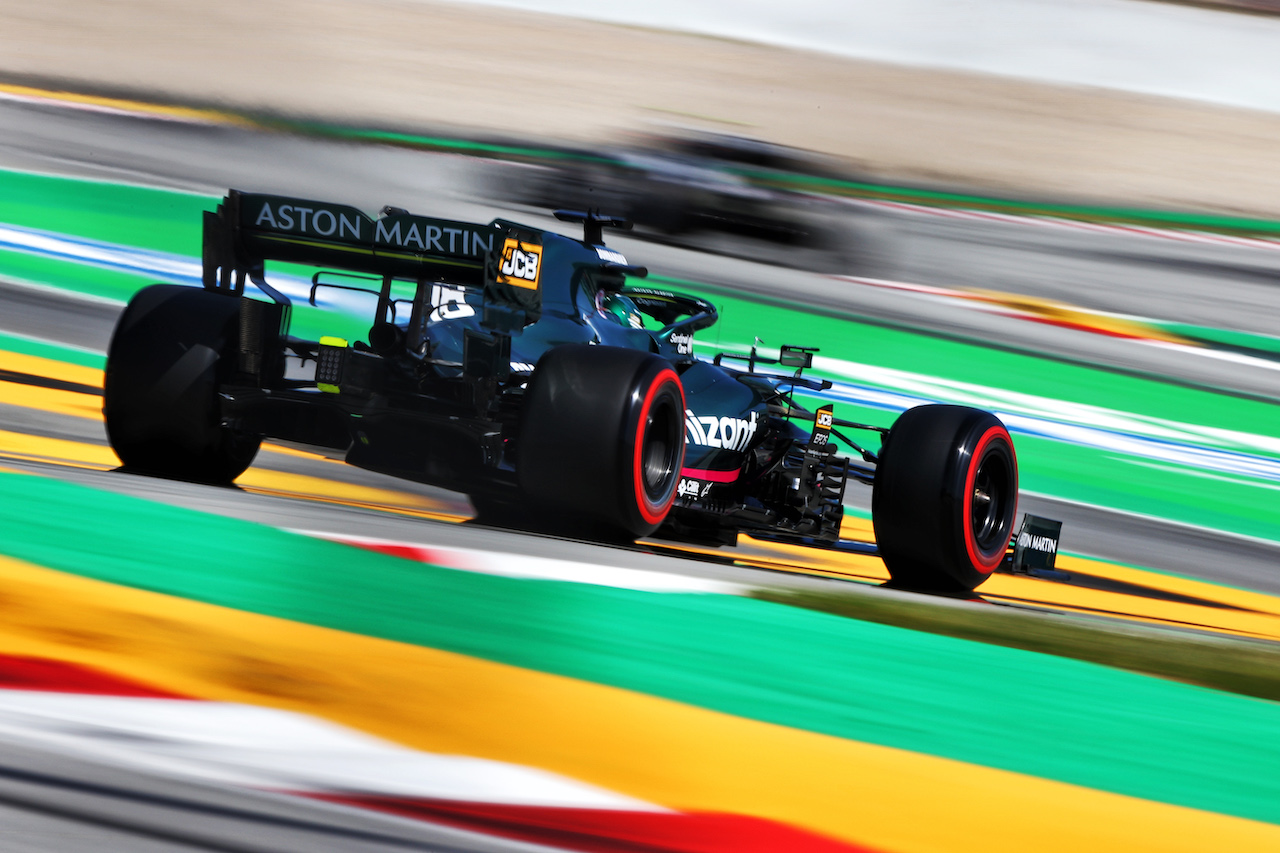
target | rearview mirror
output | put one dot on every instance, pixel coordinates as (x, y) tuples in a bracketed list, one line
[(799, 357)]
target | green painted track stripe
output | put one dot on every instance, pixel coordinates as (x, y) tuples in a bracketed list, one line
[(147, 217), (71, 276), (159, 219), (1055, 718), (1259, 346), (48, 349)]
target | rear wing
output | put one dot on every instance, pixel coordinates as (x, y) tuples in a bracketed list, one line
[(248, 229)]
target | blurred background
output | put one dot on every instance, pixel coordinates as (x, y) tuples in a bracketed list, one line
[(1064, 211), (922, 90)]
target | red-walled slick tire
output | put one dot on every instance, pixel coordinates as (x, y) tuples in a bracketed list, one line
[(602, 437), (945, 496)]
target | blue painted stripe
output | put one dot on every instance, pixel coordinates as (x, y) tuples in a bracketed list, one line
[(182, 269), (165, 266)]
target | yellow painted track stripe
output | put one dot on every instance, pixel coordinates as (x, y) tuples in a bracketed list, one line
[(73, 403), (78, 454), (86, 454), (54, 400), (298, 453), (1258, 614), (1242, 622), (1063, 312), (1247, 623), (50, 368), (820, 561), (125, 105), (1185, 586), (284, 484), (665, 752), (99, 457), (29, 448)]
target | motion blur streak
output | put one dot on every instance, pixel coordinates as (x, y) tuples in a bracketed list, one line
[(117, 106), (497, 667), (1210, 607), (460, 705), (1026, 413), (1242, 613), (259, 480)]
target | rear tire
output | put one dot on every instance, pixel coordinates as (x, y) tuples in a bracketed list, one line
[(945, 496), (169, 353), (602, 438)]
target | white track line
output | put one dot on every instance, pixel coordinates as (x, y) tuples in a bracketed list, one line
[(539, 568), (252, 746)]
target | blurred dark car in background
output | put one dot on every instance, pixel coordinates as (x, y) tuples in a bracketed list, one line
[(709, 191)]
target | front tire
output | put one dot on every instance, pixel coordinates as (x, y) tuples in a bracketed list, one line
[(602, 437), (168, 354), (945, 496)]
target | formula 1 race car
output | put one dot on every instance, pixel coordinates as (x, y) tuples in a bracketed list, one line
[(529, 375), (711, 192)]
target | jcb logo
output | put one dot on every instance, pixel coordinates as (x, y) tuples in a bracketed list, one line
[(823, 420), (521, 264)]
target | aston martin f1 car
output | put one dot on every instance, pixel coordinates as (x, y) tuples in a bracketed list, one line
[(529, 371)]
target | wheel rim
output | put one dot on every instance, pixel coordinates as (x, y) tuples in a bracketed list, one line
[(989, 501), (660, 455)]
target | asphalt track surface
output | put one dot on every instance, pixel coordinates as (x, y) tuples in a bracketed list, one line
[(53, 800), (1234, 287), (1230, 287)]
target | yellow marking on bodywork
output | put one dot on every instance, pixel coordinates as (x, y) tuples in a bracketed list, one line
[(676, 755)]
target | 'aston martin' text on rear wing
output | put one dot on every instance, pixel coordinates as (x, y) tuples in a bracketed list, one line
[(248, 229)]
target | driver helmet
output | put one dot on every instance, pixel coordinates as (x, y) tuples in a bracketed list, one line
[(620, 308)]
